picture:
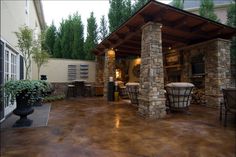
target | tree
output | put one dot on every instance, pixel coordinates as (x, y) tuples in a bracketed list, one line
[(103, 32), (138, 4), (119, 12), (207, 10), (66, 38), (231, 16), (127, 9), (25, 44), (50, 39), (178, 4), (231, 21), (91, 40), (69, 40), (57, 47), (78, 37), (40, 55)]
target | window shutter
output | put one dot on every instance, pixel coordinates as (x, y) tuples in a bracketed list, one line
[(71, 72), (21, 68)]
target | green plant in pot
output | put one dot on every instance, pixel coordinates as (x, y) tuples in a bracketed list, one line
[(25, 93)]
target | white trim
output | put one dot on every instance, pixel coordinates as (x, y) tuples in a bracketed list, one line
[(10, 46), (1, 120)]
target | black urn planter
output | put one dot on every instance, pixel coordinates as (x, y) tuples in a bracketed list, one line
[(23, 109)]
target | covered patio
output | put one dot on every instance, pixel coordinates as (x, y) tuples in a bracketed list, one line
[(174, 46), (85, 128)]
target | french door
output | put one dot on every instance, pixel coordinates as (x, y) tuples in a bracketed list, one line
[(10, 73), (1, 79)]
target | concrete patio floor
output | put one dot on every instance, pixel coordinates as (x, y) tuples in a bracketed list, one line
[(90, 127)]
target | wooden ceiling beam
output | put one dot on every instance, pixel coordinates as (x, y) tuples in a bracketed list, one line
[(120, 36), (127, 52), (137, 42), (180, 22), (197, 27), (174, 38)]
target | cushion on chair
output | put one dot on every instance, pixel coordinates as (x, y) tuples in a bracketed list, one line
[(180, 84)]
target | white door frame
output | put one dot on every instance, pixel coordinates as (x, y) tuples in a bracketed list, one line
[(11, 71)]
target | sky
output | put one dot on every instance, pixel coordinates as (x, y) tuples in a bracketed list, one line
[(56, 10)]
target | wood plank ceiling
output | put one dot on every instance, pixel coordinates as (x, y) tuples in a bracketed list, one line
[(180, 28)]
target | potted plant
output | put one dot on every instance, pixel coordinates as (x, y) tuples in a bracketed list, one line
[(25, 93)]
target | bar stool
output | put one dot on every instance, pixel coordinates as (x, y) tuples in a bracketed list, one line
[(88, 90), (70, 91)]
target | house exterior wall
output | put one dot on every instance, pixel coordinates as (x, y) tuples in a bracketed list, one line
[(220, 11), (57, 70), (13, 16)]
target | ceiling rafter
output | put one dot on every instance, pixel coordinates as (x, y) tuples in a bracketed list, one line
[(180, 22), (127, 37)]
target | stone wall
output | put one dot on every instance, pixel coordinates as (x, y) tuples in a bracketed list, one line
[(217, 68), (99, 69), (59, 88), (151, 98), (109, 68)]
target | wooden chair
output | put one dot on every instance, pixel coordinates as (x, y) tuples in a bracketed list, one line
[(229, 103)]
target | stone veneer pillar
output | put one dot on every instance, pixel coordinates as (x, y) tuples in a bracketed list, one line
[(109, 68), (218, 75), (151, 97), (99, 69)]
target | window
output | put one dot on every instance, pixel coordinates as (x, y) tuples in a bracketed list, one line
[(10, 63)]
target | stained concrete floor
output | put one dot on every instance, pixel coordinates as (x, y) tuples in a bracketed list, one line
[(93, 128)]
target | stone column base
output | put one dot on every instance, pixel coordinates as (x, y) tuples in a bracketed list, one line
[(152, 109), (213, 100)]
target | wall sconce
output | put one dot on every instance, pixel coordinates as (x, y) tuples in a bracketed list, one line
[(138, 60), (118, 74), (111, 53)]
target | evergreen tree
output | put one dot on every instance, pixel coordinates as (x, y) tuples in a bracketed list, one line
[(50, 38), (119, 12), (66, 38), (78, 37), (127, 9), (207, 10), (57, 48), (178, 4), (91, 40), (138, 4), (231, 15), (69, 42), (231, 21), (103, 32)]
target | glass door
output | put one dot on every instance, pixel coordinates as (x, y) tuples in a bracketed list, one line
[(10, 73), (1, 80)]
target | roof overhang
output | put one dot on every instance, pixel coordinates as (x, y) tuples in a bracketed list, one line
[(40, 15), (179, 28)]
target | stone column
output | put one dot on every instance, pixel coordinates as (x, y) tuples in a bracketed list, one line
[(99, 69), (151, 97), (218, 75), (109, 68)]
